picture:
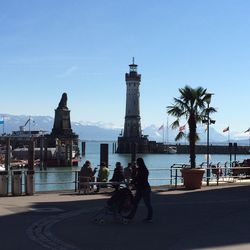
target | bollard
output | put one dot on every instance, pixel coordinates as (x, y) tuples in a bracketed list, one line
[(235, 150), (83, 147), (104, 156), (133, 151), (114, 148), (17, 183), (4, 183), (29, 182)]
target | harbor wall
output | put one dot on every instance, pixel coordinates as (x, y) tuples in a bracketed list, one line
[(214, 149)]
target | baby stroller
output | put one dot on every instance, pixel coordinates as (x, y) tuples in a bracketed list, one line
[(118, 206)]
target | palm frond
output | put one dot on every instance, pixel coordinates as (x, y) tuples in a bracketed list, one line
[(175, 124), (180, 136)]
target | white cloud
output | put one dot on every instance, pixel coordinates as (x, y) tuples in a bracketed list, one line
[(68, 72)]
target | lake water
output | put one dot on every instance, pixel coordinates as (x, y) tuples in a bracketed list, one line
[(62, 178)]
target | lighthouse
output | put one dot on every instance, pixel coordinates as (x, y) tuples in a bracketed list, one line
[(132, 125), (132, 134)]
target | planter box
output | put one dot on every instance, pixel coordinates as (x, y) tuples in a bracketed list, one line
[(192, 177)]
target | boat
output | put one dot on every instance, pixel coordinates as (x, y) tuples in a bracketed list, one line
[(52, 159), (2, 167), (172, 150)]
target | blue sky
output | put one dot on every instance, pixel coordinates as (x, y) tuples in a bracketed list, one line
[(84, 48)]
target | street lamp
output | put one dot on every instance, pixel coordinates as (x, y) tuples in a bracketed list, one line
[(208, 121)]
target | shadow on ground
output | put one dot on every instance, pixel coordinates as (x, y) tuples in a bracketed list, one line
[(210, 218)]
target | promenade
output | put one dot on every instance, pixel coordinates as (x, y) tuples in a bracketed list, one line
[(210, 218)]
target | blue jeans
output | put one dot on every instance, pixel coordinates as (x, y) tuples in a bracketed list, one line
[(146, 196)]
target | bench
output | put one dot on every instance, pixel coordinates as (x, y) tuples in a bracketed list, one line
[(86, 185)]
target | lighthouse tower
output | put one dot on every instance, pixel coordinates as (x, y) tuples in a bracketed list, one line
[(132, 134), (132, 126)]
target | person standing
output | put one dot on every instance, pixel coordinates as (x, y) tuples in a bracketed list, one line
[(143, 190), (127, 174)]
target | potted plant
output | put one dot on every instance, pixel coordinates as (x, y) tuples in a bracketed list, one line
[(193, 106)]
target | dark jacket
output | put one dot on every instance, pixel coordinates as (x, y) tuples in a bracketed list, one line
[(118, 174), (141, 179)]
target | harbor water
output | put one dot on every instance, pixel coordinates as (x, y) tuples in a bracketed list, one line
[(63, 178)]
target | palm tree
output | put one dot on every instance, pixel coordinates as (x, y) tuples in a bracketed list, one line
[(193, 105)]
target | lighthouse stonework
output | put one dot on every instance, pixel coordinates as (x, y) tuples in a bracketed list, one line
[(132, 134)]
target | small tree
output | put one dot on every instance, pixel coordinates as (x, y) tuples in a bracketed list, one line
[(192, 105)]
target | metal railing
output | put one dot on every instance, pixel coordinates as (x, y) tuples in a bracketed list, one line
[(219, 173)]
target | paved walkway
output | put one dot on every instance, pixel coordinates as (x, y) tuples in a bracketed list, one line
[(210, 218)]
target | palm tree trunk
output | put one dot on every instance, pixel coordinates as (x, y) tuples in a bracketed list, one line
[(192, 139)]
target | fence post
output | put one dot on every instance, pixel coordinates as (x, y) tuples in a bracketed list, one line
[(176, 178), (171, 175), (76, 181)]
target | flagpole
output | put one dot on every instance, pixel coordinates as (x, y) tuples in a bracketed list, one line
[(3, 124), (163, 133), (249, 137), (167, 132), (29, 126)]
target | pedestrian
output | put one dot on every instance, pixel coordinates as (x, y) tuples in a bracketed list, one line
[(133, 174), (118, 175), (143, 190), (86, 175), (87, 171)]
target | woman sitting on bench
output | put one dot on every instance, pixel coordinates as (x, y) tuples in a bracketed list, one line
[(103, 175)]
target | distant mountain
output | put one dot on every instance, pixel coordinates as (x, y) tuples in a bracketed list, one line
[(85, 130), (105, 132)]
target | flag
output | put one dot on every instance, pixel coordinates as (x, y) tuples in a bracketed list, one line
[(225, 129), (2, 122), (182, 128), (247, 130), (161, 127)]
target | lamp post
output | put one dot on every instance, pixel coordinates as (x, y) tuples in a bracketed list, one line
[(208, 121)]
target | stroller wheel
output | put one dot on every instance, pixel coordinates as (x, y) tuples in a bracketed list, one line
[(101, 221), (125, 221), (95, 220)]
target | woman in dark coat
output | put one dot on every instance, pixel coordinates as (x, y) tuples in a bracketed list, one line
[(143, 190)]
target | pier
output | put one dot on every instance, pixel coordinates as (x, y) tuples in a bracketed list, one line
[(231, 148)]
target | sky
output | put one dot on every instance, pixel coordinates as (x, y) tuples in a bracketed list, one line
[(84, 48)]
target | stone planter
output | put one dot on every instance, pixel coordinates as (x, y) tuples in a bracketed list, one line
[(192, 177)]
